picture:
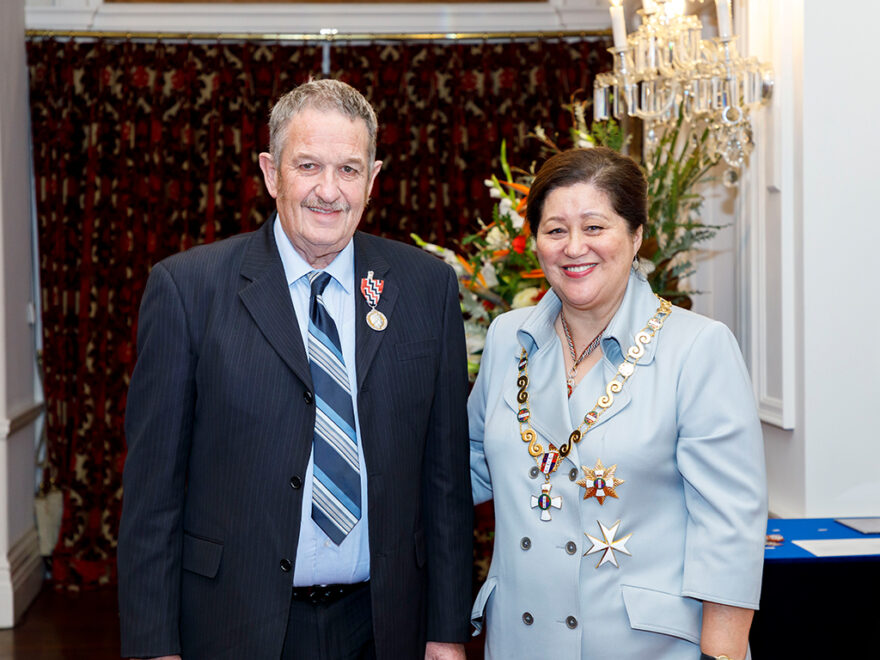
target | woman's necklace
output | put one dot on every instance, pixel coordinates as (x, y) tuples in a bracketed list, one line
[(575, 359), (548, 461)]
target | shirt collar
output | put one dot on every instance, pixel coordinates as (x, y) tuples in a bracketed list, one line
[(537, 329), (638, 305), (340, 269)]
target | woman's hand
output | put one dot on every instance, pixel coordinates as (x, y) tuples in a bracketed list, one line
[(725, 630)]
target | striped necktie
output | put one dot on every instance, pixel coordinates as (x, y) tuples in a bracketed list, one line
[(336, 487)]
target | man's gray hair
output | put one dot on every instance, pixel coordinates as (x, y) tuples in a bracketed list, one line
[(321, 95)]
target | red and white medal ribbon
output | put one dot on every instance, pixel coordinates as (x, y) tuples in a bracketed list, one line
[(371, 288)]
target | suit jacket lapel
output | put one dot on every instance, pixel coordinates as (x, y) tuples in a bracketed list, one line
[(547, 400), (367, 340), (267, 299)]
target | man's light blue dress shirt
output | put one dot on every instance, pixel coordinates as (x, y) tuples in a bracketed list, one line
[(318, 559)]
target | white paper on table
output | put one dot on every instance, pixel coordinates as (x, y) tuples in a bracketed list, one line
[(840, 547), (863, 525)]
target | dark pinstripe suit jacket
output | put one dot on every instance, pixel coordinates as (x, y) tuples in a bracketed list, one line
[(219, 428)]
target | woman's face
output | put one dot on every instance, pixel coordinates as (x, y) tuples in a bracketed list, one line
[(585, 248)]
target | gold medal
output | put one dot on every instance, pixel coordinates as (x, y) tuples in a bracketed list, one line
[(599, 481), (376, 320)]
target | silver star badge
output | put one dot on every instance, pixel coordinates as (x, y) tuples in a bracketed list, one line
[(609, 544)]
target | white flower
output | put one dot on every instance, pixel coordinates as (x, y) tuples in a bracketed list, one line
[(471, 306), (496, 239), (525, 298), (488, 273), (494, 193), (585, 140), (646, 267), (517, 220), (475, 340), (505, 206), (539, 133), (447, 255), (579, 114)]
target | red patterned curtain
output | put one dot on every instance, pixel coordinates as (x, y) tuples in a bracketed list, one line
[(145, 149)]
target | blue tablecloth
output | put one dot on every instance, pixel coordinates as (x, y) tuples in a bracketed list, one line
[(801, 529)]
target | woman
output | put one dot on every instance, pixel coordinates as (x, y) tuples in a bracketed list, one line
[(619, 439)]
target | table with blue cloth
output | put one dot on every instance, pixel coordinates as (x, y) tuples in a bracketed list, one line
[(812, 606)]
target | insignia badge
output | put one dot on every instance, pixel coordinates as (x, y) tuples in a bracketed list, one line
[(608, 544), (549, 461), (372, 290), (599, 481), (544, 501)]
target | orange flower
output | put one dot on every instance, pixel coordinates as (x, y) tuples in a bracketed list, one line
[(536, 274), (518, 187)]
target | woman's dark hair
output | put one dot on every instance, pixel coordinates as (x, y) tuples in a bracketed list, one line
[(616, 175)]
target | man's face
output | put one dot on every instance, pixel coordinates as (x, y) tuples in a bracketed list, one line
[(322, 182)]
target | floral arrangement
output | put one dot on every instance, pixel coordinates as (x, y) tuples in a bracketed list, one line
[(497, 267)]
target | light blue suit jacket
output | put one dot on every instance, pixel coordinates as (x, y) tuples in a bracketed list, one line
[(687, 442)]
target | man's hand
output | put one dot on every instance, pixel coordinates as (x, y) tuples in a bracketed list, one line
[(444, 651)]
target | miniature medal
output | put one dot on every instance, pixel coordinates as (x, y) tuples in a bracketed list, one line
[(548, 461), (608, 544), (599, 481), (372, 290), (544, 502)]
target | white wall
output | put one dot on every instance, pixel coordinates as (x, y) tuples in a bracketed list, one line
[(20, 563), (818, 189), (841, 235)]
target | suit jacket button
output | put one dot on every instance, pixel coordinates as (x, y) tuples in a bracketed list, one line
[(525, 543), (528, 619), (571, 622), (296, 483), (286, 565), (571, 548), (573, 474), (307, 397)]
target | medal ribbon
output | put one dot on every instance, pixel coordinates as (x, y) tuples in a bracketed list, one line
[(372, 289)]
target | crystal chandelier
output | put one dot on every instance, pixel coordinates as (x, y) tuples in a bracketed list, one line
[(666, 69)]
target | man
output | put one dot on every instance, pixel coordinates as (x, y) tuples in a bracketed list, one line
[(297, 481)]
